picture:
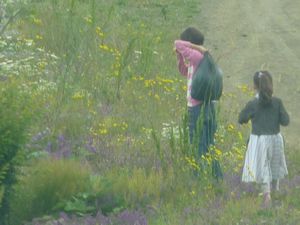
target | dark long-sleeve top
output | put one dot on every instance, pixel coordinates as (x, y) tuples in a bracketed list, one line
[(266, 119)]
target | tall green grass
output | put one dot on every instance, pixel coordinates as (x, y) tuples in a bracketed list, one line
[(16, 116), (44, 185)]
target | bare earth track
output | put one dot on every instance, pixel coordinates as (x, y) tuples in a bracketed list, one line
[(258, 34)]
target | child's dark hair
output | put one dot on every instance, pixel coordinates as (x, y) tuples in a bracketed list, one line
[(264, 84), (192, 35)]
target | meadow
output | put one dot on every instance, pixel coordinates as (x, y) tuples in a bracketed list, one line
[(93, 124)]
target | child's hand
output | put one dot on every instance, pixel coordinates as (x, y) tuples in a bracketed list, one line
[(200, 48), (176, 51)]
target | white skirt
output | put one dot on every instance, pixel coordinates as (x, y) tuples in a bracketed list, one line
[(265, 160)]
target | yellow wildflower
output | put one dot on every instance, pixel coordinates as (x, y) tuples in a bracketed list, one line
[(104, 47), (230, 127), (103, 131), (99, 32), (88, 19), (37, 21), (78, 95)]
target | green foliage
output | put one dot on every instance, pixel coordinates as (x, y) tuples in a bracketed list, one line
[(98, 197), (15, 118), (293, 198), (139, 187), (84, 58), (118, 190), (81, 203), (43, 185), (9, 10)]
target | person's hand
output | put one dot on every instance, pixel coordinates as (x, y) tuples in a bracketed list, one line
[(199, 48), (175, 50), (202, 49)]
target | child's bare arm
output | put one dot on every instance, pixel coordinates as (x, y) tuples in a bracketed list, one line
[(199, 48)]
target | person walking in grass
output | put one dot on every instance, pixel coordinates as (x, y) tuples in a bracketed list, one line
[(265, 160), (190, 52)]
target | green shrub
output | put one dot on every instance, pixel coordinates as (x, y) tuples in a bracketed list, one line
[(44, 185), (100, 196), (138, 187), (123, 188), (15, 117), (118, 190)]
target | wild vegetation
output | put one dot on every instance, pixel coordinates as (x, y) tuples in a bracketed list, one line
[(93, 125)]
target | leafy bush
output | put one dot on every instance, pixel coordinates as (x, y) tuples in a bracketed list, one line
[(119, 190), (140, 188), (116, 191), (44, 185), (15, 117)]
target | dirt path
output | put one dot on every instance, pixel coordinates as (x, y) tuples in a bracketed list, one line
[(258, 34)]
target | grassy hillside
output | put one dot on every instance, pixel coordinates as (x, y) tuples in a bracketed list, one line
[(109, 108)]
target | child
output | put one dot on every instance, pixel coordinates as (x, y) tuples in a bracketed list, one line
[(265, 160), (190, 52)]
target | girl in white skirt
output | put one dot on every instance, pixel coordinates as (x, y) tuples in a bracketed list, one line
[(265, 161)]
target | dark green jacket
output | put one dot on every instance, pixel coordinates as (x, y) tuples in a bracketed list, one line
[(266, 119)]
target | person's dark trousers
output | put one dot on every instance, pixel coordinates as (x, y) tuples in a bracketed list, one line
[(202, 122)]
